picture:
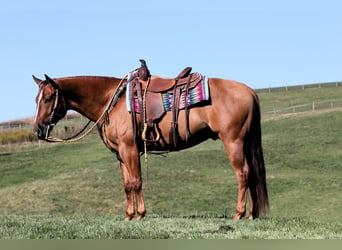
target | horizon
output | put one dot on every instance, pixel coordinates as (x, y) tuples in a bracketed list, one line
[(27, 119)]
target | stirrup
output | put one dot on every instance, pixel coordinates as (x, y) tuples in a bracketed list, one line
[(143, 135)]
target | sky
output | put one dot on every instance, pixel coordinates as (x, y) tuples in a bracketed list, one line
[(261, 43)]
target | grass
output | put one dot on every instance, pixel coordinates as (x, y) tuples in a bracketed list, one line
[(285, 99), (75, 190), (307, 154), (15, 136), (156, 227)]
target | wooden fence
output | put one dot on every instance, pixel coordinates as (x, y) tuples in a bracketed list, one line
[(300, 87), (314, 106), (74, 120)]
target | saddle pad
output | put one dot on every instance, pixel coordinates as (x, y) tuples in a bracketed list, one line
[(197, 94)]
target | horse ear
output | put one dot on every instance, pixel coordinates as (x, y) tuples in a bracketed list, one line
[(51, 81), (37, 80)]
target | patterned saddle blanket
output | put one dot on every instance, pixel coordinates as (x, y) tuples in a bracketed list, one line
[(153, 98), (197, 94)]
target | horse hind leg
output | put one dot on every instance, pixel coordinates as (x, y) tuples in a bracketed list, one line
[(248, 163), (239, 163)]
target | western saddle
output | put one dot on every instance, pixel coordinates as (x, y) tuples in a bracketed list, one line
[(148, 90)]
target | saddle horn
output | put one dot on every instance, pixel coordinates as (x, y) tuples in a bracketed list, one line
[(144, 73)]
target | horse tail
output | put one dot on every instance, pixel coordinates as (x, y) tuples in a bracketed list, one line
[(255, 159)]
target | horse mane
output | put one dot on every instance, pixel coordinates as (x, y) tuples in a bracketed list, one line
[(85, 77)]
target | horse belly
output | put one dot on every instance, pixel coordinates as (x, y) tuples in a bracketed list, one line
[(199, 130)]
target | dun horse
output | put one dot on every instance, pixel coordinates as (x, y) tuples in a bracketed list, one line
[(232, 114)]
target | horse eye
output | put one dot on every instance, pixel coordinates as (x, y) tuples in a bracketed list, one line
[(48, 99)]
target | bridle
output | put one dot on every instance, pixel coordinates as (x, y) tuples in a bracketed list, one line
[(81, 134), (51, 124)]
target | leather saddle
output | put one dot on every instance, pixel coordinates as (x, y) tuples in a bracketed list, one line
[(151, 105), (160, 84)]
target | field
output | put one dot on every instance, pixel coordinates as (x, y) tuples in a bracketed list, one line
[(75, 190)]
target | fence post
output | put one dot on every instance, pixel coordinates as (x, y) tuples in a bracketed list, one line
[(313, 106)]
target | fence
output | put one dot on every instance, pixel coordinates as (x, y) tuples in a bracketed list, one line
[(74, 121), (300, 87), (27, 124), (22, 130), (14, 125), (314, 106)]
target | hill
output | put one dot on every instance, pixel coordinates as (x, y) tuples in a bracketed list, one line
[(274, 102), (75, 190)]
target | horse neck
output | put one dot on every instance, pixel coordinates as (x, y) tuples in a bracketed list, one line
[(88, 95)]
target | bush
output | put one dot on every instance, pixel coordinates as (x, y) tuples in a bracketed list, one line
[(16, 136)]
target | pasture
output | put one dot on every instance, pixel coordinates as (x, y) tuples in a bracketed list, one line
[(75, 190)]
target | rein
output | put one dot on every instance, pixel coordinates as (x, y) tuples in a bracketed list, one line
[(112, 102), (79, 135)]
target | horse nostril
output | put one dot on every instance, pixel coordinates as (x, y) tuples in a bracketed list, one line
[(39, 132)]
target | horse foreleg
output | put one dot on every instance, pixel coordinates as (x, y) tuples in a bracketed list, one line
[(130, 212), (140, 203), (131, 173)]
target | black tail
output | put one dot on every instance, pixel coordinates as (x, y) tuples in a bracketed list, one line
[(255, 158)]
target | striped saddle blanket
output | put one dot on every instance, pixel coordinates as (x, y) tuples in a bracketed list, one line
[(197, 94)]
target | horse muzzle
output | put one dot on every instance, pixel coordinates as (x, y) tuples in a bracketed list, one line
[(43, 131)]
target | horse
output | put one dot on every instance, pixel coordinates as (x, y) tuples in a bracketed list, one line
[(232, 115)]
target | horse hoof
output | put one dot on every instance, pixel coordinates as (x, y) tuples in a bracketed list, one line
[(129, 217), (140, 216), (237, 217)]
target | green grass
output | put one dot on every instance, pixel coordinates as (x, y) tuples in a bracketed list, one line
[(76, 191), (284, 99), (157, 227), (304, 156)]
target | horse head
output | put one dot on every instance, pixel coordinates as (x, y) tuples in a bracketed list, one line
[(51, 107)]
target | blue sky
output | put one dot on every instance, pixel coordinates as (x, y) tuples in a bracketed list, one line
[(260, 43)]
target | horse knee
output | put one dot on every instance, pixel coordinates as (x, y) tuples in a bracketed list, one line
[(133, 184), (242, 174)]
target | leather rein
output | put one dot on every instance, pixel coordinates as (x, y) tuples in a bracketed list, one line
[(81, 134)]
